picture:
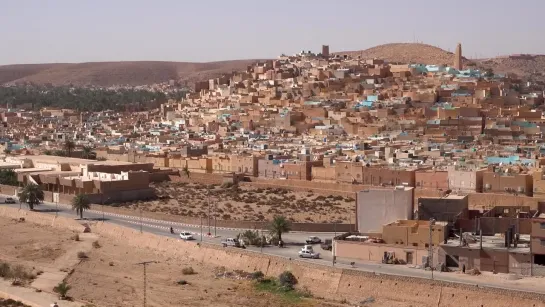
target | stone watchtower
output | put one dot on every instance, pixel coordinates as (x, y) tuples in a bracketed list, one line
[(458, 57)]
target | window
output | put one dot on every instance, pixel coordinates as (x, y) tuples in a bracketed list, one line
[(542, 242), (542, 225)]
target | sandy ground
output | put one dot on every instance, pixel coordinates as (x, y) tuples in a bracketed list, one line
[(111, 276), (32, 245), (246, 203)]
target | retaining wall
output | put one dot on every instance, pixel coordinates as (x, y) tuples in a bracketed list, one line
[(41, 219)]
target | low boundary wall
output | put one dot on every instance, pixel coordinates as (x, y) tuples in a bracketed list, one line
[(320, 280), (307, 227)]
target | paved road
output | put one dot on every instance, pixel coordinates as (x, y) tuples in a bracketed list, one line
[(294, 241)]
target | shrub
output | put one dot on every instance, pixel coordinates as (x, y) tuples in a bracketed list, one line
[(62, 289), (82, 255), (287, 280), (5, 270), (182, 282), (96, 244), (188, 271), (258, 275), (75, 237)]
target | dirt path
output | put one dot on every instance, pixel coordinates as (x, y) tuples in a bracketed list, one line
[(56, 273)]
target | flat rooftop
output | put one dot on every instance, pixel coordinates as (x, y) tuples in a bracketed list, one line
[(496, 242), (56, 159)]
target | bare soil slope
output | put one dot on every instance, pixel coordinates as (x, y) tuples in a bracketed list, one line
[(518, 66), (405, 53), (117, 73)]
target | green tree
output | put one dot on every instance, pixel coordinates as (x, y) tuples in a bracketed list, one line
[(279, 225), (48, 152), (8, 177), (87, 152), (69, 146), (80, 203), (32, 195), (7, 151), (59, 153)]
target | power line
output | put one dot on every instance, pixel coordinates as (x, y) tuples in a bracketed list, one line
[(144, 265)]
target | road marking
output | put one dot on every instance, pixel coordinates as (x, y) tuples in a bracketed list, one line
[(168, 228)]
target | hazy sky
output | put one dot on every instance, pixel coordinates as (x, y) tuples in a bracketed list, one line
[(37, 31)]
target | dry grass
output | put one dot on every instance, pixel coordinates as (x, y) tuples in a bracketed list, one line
[(248, 204)]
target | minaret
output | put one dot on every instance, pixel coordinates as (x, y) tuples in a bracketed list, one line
[(458, 57)]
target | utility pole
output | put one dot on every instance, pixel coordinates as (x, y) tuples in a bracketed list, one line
[(215, 218), (209, 226), (145, 264), (201, 227), (140, 220), (430, 251), (333, 243), (102, 204), (261, 239)]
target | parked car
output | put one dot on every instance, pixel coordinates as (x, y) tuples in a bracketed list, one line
[(307, 248), (232, 242), (313, 240), (9, 200), (185, 235), (327, 245), (308, 254)]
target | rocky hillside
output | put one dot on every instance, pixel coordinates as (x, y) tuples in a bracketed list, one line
[(532, 65), (117, 73)]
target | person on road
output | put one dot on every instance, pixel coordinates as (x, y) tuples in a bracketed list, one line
[(171, 230)]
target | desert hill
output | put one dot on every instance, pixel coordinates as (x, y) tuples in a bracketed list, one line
[(117, 73), (140, 73), (405, 53)]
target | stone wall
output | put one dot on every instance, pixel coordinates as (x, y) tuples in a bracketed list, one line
[(322, 281)]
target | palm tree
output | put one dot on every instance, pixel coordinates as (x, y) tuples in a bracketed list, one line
[(186, 171), (80, 203), (69, 145), (279, 225), (62, 289), (31, 194)]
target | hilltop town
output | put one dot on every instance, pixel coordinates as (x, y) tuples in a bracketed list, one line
[(430, 167)]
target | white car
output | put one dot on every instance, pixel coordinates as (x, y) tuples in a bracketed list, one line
[(308, 254), (185, 235)]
